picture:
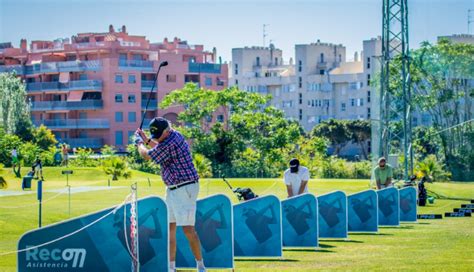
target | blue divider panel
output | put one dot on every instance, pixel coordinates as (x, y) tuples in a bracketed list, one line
[(102, 246), (214, 228), (362, 212), (257, 228), (333, 215), (389, 211), (300, 221), (407, 204)]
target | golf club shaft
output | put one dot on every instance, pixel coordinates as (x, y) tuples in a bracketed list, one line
[(149, 96), (227, 183)]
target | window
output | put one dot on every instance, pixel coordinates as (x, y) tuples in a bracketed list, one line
[(208, 81), (236, 82), (131, 79), (368, 96), (118, 116), (118, 137), (257, 60), (83, 77), (321, 72), (343, 106), (170, 78), (360, 102), (368, 113), (118, 78), (130, 136), (301, 115), (321, 57), (209, 118), (123, 56), (300, 66), (340, 58), (220, 118), (300, 82), (368, 63), (236, 69), (132, 117), (287, 104), (276, 61), (82, 115), (352, 100), (131, 98), (301, 98), (368, 79), (118, 98)]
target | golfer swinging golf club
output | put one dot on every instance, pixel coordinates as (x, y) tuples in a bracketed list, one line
[(171, 151)]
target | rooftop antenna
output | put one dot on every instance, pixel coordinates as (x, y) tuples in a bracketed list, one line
[(470, 20), (264, 33)]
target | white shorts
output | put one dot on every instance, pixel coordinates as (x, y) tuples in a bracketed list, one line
[(182, 204)]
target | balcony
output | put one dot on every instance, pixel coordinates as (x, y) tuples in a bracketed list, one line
[(18, 69), (143, 65), (55, 124), (87, 85), (153, 105), (66, 66), (65, 105), (147, 85), (205, 68), (95, 85), (84, 142)]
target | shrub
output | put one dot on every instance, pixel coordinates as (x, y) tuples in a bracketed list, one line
[(28, 153), (7, 143), (44, 137), (116, 167), (3, 182), (136, 162), (84, 158), (203, 165), (431, 168)]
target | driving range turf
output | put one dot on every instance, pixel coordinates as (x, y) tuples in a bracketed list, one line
[(436, 245)]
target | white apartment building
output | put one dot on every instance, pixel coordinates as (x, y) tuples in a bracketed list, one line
[(319, 85)]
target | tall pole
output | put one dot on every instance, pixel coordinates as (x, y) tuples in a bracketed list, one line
[(395, 104)]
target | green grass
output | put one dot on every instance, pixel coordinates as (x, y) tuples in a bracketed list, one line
[(438, 245)]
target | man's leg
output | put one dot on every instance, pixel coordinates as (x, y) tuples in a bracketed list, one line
[(193, 241), (172, 242)]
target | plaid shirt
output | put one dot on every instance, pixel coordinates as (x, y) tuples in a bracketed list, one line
[(175, 159)]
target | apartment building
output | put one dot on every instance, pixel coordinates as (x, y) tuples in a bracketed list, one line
[(92, 89)]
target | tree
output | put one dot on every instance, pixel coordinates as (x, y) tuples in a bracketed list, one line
[(249, 123), (14, 109), (336, 131), (116, 167), (3, 182), (432, 169), (441, 80), (360, 133), (44, 138)]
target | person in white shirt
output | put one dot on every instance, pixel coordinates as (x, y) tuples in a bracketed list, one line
[(296, 178)]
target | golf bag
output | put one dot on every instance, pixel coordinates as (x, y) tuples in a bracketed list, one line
[(241, 193), (422, 194)]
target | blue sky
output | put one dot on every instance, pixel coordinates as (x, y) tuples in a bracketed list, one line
[(226, 24)]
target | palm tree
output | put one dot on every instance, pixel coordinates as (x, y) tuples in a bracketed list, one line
[(116, 167), (203, 165)]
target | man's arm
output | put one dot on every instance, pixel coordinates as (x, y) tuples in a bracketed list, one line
[(290, 190), (378, 183), (143, 151), (302, 186)]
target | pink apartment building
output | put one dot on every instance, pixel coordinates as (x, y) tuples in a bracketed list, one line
[(91, 90)]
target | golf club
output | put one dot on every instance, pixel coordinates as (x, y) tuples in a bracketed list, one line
[(163, 63)]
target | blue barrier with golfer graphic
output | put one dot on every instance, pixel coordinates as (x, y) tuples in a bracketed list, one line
[(214, 228), (389, 211), (257, 228), (408, 206), (103, 245), (300, 221), (332, 209), (362, 212)]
